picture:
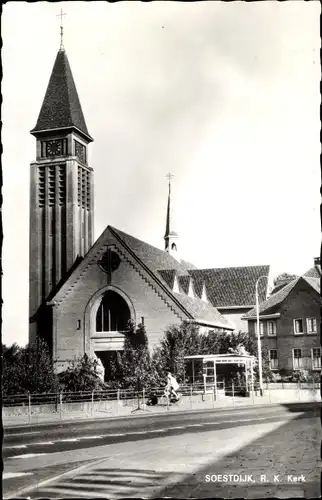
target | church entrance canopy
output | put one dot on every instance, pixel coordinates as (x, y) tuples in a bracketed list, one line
[(203, 368)]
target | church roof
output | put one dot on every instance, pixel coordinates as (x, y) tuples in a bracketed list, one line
[(164, 265), (154, 258), (61, 106), (271, 305), (232, 286)]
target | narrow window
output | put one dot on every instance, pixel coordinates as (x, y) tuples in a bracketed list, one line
[(311, 325), (316, 358), (297, 359), (261, 328), (273, 361), (298, 326), (271, 328)]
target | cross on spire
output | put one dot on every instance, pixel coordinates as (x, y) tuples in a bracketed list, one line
[(61, 15), (169, 177)]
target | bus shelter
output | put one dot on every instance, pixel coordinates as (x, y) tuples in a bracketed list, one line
[(209, 363)]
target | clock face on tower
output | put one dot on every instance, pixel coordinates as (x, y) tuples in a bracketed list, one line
[(54, 147)]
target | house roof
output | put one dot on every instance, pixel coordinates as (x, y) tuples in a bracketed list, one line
[(61, 106), (314, 272), (232, 286), (271, 305)]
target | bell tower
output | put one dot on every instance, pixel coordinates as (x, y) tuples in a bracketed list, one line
[(61, 191)]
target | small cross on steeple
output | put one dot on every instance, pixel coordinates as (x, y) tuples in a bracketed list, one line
[(169, 176), (61, 15)]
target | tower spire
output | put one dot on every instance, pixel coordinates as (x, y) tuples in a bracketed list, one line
[(61, 15), (170, 236)]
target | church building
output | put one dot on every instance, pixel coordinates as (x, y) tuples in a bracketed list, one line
[(83, 293)]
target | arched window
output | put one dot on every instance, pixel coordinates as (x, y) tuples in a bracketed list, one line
[(174, 246), (113, 313)]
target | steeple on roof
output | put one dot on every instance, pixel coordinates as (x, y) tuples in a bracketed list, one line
[(169, 231), (61, 107)]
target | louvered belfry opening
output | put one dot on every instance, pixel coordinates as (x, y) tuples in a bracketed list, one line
[(52, 224), (84, 207)]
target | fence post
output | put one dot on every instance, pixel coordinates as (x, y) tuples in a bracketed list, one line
[(61, 405), (191, 396), (92, 405), (117, 400), (29, 407), (299, 390), (143, 398), (233, 392)]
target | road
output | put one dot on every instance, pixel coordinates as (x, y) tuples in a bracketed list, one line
[(168, 455)]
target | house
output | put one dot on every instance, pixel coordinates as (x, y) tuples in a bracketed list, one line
[(290, 325)]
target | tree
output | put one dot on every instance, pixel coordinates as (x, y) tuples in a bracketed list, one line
[(28, 369), (135, 361), (178, 342), (81, 375), (185, 340)]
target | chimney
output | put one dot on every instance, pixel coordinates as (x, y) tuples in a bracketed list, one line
[(317, 261)]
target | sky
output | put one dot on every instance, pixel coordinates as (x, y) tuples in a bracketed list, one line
[(225, 95)]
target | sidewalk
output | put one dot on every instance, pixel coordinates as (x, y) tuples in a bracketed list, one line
[(131, 411)]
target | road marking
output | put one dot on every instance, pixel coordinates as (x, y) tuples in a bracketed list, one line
[(42, 443), (195, 425), (69, 440), (22, 433), (28, 455), (159, 430), (178, 427), (17, 446), (113, 435), (91, 437), (138, 432), (9, 475)]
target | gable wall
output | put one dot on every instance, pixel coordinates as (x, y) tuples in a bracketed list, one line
[(71, 341), (234, 316)]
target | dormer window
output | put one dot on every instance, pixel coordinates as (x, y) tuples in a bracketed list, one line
[(190, 290), (176, 288), (204, 297)]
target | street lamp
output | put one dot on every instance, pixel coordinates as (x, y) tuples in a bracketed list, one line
[(259, 338)]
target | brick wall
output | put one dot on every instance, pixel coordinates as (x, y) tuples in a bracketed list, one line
[(301, 303)]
